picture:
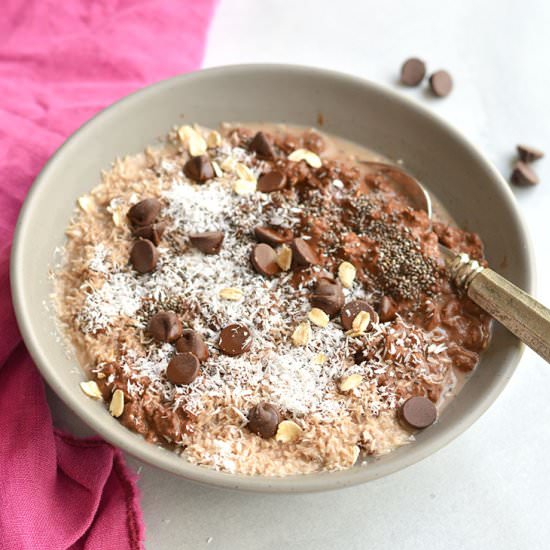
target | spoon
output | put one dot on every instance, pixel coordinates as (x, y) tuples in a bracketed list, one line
[(519, 312)]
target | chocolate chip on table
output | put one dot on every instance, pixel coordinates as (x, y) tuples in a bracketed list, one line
[(191, 341), (523, 175), (199, 169), (144, 256), (264, 260), (328, 296), (413, 71), (263, 420), (165, 326), (272, 237), (529, 154), (209, 242), (418, 412), (183, 368), (261, 146), (235, 339), (352, 309), (144, 212), (387, 309), (303, 254), (441, 83), (271, 181), (153, 232)]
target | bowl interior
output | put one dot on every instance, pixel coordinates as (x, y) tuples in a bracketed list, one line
[(471, 190)]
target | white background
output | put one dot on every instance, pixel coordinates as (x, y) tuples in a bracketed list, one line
[(491, 487)]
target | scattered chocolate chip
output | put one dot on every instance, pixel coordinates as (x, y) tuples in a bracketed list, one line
[(529, 154), (235, 339), (302, 253), (328, 296), (199, 169), (387, 309), (418, 412), (209, 242), (413, 71), (165, 326), (351, 309), (144, 212), (153, 232), (183, 368), (523, 175), (263, 420), (191, 341), (271, 236), (144, 256), (264, 260), (441, 83), (261, 146), (271, 181)]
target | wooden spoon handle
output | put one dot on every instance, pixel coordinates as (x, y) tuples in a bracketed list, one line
[(520, 313)]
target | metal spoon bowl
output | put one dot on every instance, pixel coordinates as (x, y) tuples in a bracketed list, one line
[(410, 187), (519, 312)]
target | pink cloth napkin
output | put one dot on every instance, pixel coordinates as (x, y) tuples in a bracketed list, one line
[(60, 62)]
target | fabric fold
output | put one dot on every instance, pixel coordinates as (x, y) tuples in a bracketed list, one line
[(60, 63)]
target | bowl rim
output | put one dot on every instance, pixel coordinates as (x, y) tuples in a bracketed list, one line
[(121, 437)]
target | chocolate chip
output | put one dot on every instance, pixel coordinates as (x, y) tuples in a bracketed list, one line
[(441, 83), (271, 181), (235, 339), (352, 309), (523, 175), (261, 146), (153, 232), (302, 253), (271, 236), (529, 154), (183, 368), (418, 412), (387, 309), (165, 326), (328, 296), (264, 260), (209, 242), (144, 256), (199, 169), (144, 212), (413, 71), (263, 420), (191, 341)]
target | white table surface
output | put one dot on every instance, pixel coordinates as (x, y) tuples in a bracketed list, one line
[(491, 487)]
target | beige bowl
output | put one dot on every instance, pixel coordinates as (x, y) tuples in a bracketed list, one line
[(471, 189)]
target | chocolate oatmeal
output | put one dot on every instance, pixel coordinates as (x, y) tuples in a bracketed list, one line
[(263, 300)]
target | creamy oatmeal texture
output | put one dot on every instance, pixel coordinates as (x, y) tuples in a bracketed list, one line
[(312, 297)]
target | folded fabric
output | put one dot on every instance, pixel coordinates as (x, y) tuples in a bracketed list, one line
[(60, 62)]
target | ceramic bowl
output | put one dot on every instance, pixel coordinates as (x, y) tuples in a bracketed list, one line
[(470, 188)]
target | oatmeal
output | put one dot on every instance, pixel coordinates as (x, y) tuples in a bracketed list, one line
[(263, 300)]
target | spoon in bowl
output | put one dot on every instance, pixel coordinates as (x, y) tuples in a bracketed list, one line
[(519, 312)]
